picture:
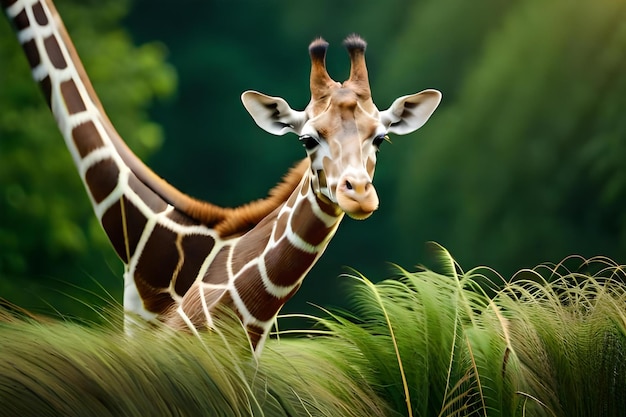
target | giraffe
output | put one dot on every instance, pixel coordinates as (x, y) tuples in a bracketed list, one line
[(183, 258)]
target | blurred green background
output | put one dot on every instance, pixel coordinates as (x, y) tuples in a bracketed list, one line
[(522, 163)]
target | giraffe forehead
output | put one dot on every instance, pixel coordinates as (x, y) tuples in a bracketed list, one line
[(345, 117)]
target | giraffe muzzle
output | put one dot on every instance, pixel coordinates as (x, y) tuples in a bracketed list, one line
[(357, 197)]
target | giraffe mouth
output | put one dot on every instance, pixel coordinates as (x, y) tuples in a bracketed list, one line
[(361, 215), (357, 211), (357, 201)]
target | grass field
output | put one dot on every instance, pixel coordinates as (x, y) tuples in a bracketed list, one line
[(550, 342)]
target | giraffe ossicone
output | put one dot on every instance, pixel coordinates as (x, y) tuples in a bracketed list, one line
[(184, 258)]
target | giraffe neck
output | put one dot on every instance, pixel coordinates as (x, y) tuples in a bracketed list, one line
[(257, 273), (177, 251)]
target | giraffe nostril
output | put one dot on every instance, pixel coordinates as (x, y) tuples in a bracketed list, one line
[(348, 185)]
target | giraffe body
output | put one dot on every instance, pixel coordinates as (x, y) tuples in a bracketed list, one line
[(185, 257)]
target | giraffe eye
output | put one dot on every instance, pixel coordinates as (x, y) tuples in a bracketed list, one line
[(378, 140), (308, 141)]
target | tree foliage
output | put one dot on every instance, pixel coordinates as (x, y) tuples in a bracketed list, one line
[(521, 168)]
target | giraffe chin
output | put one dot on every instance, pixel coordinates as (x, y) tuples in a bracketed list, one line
[(356, 210), (362, 215)]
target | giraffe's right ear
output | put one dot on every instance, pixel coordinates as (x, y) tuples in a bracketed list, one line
[(409, 113), (273, 114)]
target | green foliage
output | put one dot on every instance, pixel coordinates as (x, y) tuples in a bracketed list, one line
[(48, 233), (569, 334), (449, 342), (69, 370), (550, 343), (519, 167), (532, 347)]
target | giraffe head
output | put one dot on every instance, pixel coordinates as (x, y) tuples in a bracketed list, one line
[(341, 128)]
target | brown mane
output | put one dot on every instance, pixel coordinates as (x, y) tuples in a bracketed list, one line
[(235, 221)]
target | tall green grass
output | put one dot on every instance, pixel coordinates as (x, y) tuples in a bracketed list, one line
[(551, 342)]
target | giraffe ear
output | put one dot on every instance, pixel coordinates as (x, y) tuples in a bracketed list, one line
[(409, 113), (273, 114)]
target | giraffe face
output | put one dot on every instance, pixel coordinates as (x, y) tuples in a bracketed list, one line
[(341, 128), (342, 136)]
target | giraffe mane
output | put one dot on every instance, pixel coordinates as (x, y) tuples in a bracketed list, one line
[(243, 218), (229, 222)]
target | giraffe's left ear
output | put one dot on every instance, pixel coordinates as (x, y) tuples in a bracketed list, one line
[(273, 114), (409, 113)]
